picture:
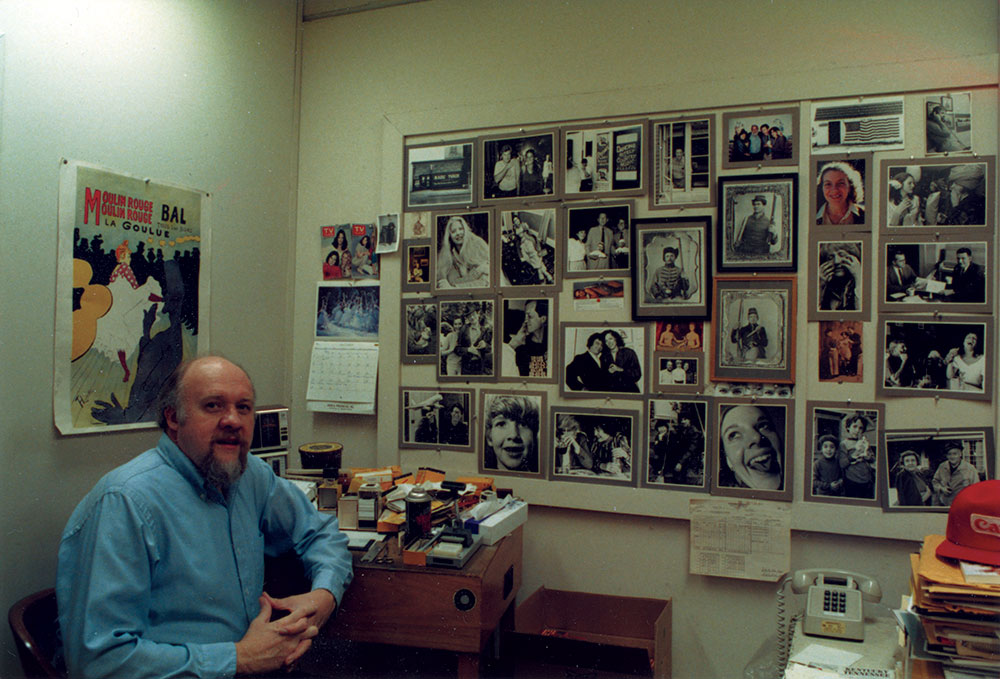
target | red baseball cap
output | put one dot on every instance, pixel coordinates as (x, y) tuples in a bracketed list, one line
[(974, 525)]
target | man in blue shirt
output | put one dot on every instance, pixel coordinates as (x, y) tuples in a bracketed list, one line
[(161, 566)]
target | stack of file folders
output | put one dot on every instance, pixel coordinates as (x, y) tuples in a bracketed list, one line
[(951, 626)]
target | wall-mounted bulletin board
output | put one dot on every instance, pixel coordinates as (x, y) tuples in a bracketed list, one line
[(789, 301)]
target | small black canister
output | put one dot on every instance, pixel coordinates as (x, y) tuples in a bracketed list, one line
[(418, 514)]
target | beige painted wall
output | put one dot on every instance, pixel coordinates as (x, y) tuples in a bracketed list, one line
[(185, 91), (374, 80)]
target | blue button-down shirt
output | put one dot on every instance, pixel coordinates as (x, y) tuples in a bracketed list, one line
[(160, 575)]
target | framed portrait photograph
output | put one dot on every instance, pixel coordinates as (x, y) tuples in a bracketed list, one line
[(419, 324), (439, 175), (928, 274), (604, 159), (676, 372), (467, 346), (520, 166), (347, 311), (950, 358), (924, 195), (672, 269), (416, 259), (840, 279), (682, 336), (511, 433), (760, 138), (840, 352), (758, 223), (751, 448), (682, 157), (528, 328), (948, 125), (597, 239), (603, 360), (461, 255), (530, 249), (841, 186), (924, 469), (676, 451), (845, 447), (436, 418), (753, 320), (594, 446)]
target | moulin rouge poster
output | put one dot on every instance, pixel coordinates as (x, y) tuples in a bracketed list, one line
[(132, 287)]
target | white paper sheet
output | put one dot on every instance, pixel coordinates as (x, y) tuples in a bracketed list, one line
[(748, 539)]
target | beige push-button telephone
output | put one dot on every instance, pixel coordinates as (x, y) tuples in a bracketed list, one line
[(834, 607)]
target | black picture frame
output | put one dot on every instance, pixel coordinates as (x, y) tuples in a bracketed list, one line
[(757, 229), (742, 468), (588, 446), (681, 289), (439, 175)]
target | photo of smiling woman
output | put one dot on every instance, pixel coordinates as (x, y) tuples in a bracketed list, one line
[(511, 431), (751, 450)]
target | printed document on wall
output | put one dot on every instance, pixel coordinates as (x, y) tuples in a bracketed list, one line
[(342, 377), (746, 539)]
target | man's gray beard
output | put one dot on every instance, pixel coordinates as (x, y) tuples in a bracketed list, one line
[(222, 475)]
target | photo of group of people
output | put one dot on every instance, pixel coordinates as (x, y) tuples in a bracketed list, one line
[(436, 418), (927, 469), (760, 137), (347, 312), (676, 452), (840, 351), (602, 360), (938, 192), (466, 345), (845, 446), (589, 446), (420, 324), (349, 252), (598, 239), (675, 371), (519, 167), (933, 272), (940, 356)]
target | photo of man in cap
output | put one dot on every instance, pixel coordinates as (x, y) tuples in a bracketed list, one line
[(756, 233), (750, 339)]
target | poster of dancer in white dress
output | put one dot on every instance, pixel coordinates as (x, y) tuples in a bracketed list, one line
[(132, 289)]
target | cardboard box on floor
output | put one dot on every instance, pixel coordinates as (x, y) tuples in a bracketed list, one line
[(557, 632)]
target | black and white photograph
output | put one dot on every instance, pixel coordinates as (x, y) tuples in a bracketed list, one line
[(420, 330), (682, 336), (855, 125), (347, 311), (929, 193), (754, 326), (512, 434), (596, 447), (840, 280), (760, 138), (597, 239), (519, 167), (528, 248), (416, 260), (604, 160), (602, 360), (678, 372), (926, 274), (672, 267), (949, 123), (436, 418), (947, 358), (841, 188), (388, 234), (749, 440), (758, 223), (439, 175), (841, 351), (462, 258), (927, 468), (528, 327), (466, 346), (845, 446), (683, 171), (676, 447)]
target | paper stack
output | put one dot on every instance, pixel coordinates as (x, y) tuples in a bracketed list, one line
[(951, 623)]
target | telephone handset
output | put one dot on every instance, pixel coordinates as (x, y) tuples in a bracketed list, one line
[(835, 607)]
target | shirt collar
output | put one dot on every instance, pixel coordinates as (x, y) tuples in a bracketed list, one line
[(176, 458)]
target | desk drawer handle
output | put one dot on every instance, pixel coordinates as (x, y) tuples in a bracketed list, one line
[(465, 600)]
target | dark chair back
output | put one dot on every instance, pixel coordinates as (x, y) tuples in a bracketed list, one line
[(35, 624)]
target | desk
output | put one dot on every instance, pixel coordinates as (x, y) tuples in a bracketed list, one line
[(449, 609)]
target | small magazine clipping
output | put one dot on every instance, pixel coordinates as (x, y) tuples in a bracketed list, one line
[(746, 539)]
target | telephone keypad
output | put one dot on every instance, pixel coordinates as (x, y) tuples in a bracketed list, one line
[(834, 601)]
